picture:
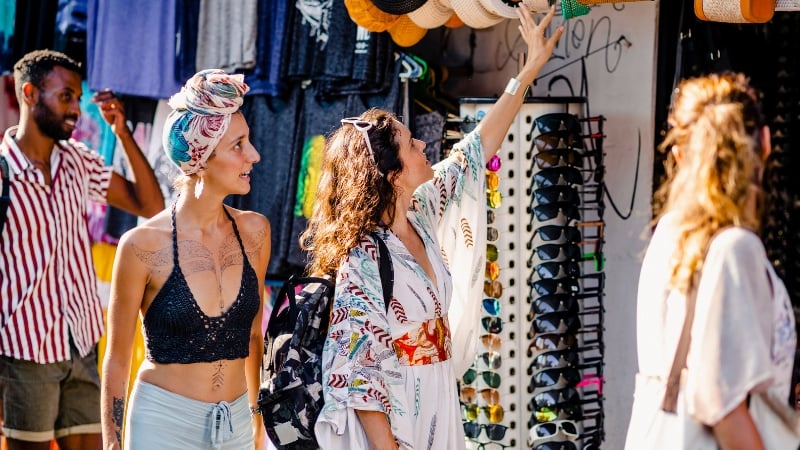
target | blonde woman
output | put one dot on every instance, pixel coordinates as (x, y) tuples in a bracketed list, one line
[(742, 335)]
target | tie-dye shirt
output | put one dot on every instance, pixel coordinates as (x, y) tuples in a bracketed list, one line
[(360, 367)]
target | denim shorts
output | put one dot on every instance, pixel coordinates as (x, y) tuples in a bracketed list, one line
[(49, 401)]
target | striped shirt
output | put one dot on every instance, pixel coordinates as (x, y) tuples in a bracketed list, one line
[(48, 290)]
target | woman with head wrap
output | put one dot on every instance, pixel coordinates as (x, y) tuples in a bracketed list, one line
[(195, 274)]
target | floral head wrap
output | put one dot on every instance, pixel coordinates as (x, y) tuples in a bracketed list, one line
[(201, 114)]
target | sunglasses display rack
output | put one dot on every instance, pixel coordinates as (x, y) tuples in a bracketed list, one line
[(537, 378)]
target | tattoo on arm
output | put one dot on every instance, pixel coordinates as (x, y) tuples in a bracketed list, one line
[(118, 413), (253, 243), (158, 258)]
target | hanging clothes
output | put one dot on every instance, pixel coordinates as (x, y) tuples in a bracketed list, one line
[(226, 35), (131, 47), (274, 17)]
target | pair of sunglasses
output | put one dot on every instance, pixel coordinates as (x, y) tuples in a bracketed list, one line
[(493, 412), (552, 211), (557, 193), (554, 303), (491, 359), (554, 252), (494, 431), (555, 322), (559, 139), (547, 123), (557, 157), (557, 376), (362, 126), (560, 428), (555, 397), (554, 360), (492, 379), (560, 412), (550, 342), (561, 233), (558, 286), (557, 176), (469, 394), (558, 269), (555, 445)]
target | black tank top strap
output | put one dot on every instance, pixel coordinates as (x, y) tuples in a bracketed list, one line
[(236, 232), (174, 235)]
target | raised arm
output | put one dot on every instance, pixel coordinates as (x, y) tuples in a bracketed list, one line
[(142, 196), (494, 126), (127, 289)]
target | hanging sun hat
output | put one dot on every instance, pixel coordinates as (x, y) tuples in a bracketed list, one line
[(502, 8), (406, 33), (398, 7), (537, 5), (366, 15), (433, 14), (474, 15), (454, 21)]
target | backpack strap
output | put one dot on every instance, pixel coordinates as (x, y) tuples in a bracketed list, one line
[(386, 269), (5, 199)]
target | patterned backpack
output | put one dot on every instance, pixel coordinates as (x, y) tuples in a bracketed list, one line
[(290, 397)]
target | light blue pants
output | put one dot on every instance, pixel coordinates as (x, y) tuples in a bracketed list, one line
[(158, 418)]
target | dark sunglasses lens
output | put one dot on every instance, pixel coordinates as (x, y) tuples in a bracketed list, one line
[(551, 323), (557, 157), (558, 176), (550, 287), (554, 341), (553, 269), (492, 234), (554, 303), (549, 252), (551, 211), (558, 139), (491, 306), (548, 123), (496, 432), (492, 379), (469, 376), (472, 429), (553, 194), (492, 324), (556, 232), (551, 377), (555, 360)]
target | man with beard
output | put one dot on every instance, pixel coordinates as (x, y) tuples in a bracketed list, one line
[(50, 313)]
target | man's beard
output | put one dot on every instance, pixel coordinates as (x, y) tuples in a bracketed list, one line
[(49, 123)]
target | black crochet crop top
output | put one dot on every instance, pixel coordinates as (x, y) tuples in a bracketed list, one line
[(176, 330)]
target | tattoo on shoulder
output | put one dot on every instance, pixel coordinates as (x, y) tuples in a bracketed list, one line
[(254, 242), (157, 258)]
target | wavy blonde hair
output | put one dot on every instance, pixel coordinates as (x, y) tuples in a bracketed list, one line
[(355, 189), (716, 125)]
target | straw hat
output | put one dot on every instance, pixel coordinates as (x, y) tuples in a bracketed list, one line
[(474, 15), (366, 15), (398, 6), (537, 5), (433, 14), (406, 33), (503, 8)]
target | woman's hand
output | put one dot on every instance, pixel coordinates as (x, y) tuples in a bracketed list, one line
[(540, 48)]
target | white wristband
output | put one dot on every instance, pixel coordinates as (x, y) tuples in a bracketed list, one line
[(513, 86)]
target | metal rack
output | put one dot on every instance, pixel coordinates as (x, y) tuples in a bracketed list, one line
[(515, 223)]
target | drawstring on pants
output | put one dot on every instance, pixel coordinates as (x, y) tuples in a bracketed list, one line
[(221, 424)]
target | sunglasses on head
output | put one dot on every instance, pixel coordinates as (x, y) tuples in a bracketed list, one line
[(558, 139), (363, 126), (559, 286), (555, 397), (553, 360), (492, 379), (548, 430), (492, 324), (557, 376), (557, 157), (556, 322), (494, 412), (557, 176), (552, 211), (491, 306), (554, 303), (494, 431), (547, 123), (469, 394), (556, 193), (558, 252)]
